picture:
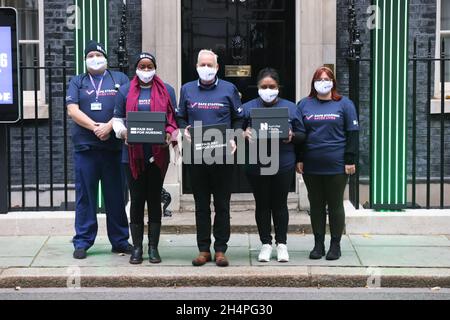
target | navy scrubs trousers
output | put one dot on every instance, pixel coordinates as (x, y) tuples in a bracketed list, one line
[(92, 166)]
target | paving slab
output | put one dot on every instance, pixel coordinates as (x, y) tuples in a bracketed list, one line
[(399, 241), (404, 256), (12, 262), (20, 246), (61, 256), (301, 242), (190, 240)]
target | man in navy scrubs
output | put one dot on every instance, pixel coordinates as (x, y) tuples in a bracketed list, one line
[(212, 101), (97, 153)]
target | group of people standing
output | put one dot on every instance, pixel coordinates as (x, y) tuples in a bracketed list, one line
[(321, 146)]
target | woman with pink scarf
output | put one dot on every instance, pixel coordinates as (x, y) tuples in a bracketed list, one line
[(146, 165)]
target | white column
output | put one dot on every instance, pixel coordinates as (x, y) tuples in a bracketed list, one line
[(161, 35)]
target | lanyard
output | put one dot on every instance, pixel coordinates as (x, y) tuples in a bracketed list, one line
[(97, 90)]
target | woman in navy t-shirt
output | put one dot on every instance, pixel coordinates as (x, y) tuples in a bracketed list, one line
[(271, 191), (331, 125)]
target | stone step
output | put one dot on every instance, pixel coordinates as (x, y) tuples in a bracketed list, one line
[(241, 222), (239, 203)]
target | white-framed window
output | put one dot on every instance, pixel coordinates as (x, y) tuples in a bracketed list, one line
[(32, 52), (442, 32)]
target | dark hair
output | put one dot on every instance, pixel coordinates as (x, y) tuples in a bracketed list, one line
[(334, 93), (269, 72)]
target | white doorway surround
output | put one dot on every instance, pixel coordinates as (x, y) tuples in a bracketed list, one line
[(315, 46)]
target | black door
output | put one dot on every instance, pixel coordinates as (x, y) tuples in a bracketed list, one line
[(248, 35)]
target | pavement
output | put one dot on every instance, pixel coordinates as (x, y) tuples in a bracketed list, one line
[(368, 261)]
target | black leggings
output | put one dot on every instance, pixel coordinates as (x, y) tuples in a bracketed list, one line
[(323, 191), (271, 194), (147, 188)]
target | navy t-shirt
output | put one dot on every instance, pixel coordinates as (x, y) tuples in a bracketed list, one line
[(144, 104), (325, 124), (219, 103), (82, 92), (287, 156)]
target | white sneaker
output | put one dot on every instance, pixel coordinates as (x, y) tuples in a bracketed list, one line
[(265, 253), (282, 253)]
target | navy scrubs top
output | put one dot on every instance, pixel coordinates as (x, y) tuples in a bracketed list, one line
[(83, 93)]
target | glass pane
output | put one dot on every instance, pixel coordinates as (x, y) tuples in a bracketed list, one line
[(29, 57), (445, 15), (28, 18), (266, 5)]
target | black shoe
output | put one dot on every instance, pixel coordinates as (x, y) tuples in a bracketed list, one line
[(319, 248), (335, 249), (79, 254), (136, 255), (154, 231), (153, 255), (127, 250)]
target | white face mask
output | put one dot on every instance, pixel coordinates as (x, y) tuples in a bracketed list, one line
[(207, 74), (268, 95), (96, 63), (323, 87), (145, 76)]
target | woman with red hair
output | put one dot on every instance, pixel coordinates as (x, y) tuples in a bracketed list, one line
[(331, 125)]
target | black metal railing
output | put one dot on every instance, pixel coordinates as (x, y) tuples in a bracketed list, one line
[(431, 173), (34, 141)]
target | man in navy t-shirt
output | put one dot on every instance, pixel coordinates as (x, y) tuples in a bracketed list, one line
[(212, 101), (97, 152)]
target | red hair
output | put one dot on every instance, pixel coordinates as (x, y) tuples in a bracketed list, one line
[(334, 93)]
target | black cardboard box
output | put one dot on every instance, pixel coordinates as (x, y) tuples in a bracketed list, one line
[(146, 127), (270, 121), (200, 143)]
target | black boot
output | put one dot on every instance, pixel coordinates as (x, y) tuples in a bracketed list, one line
[(335, 249), (154, 231), (319, 248), (137, 233)]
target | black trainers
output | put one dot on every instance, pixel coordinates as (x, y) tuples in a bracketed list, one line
[(79, 254), (335, 250), (127, 250)]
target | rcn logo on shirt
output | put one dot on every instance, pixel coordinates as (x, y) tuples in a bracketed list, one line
[(323, 117), (103, 93), (206, 105)]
